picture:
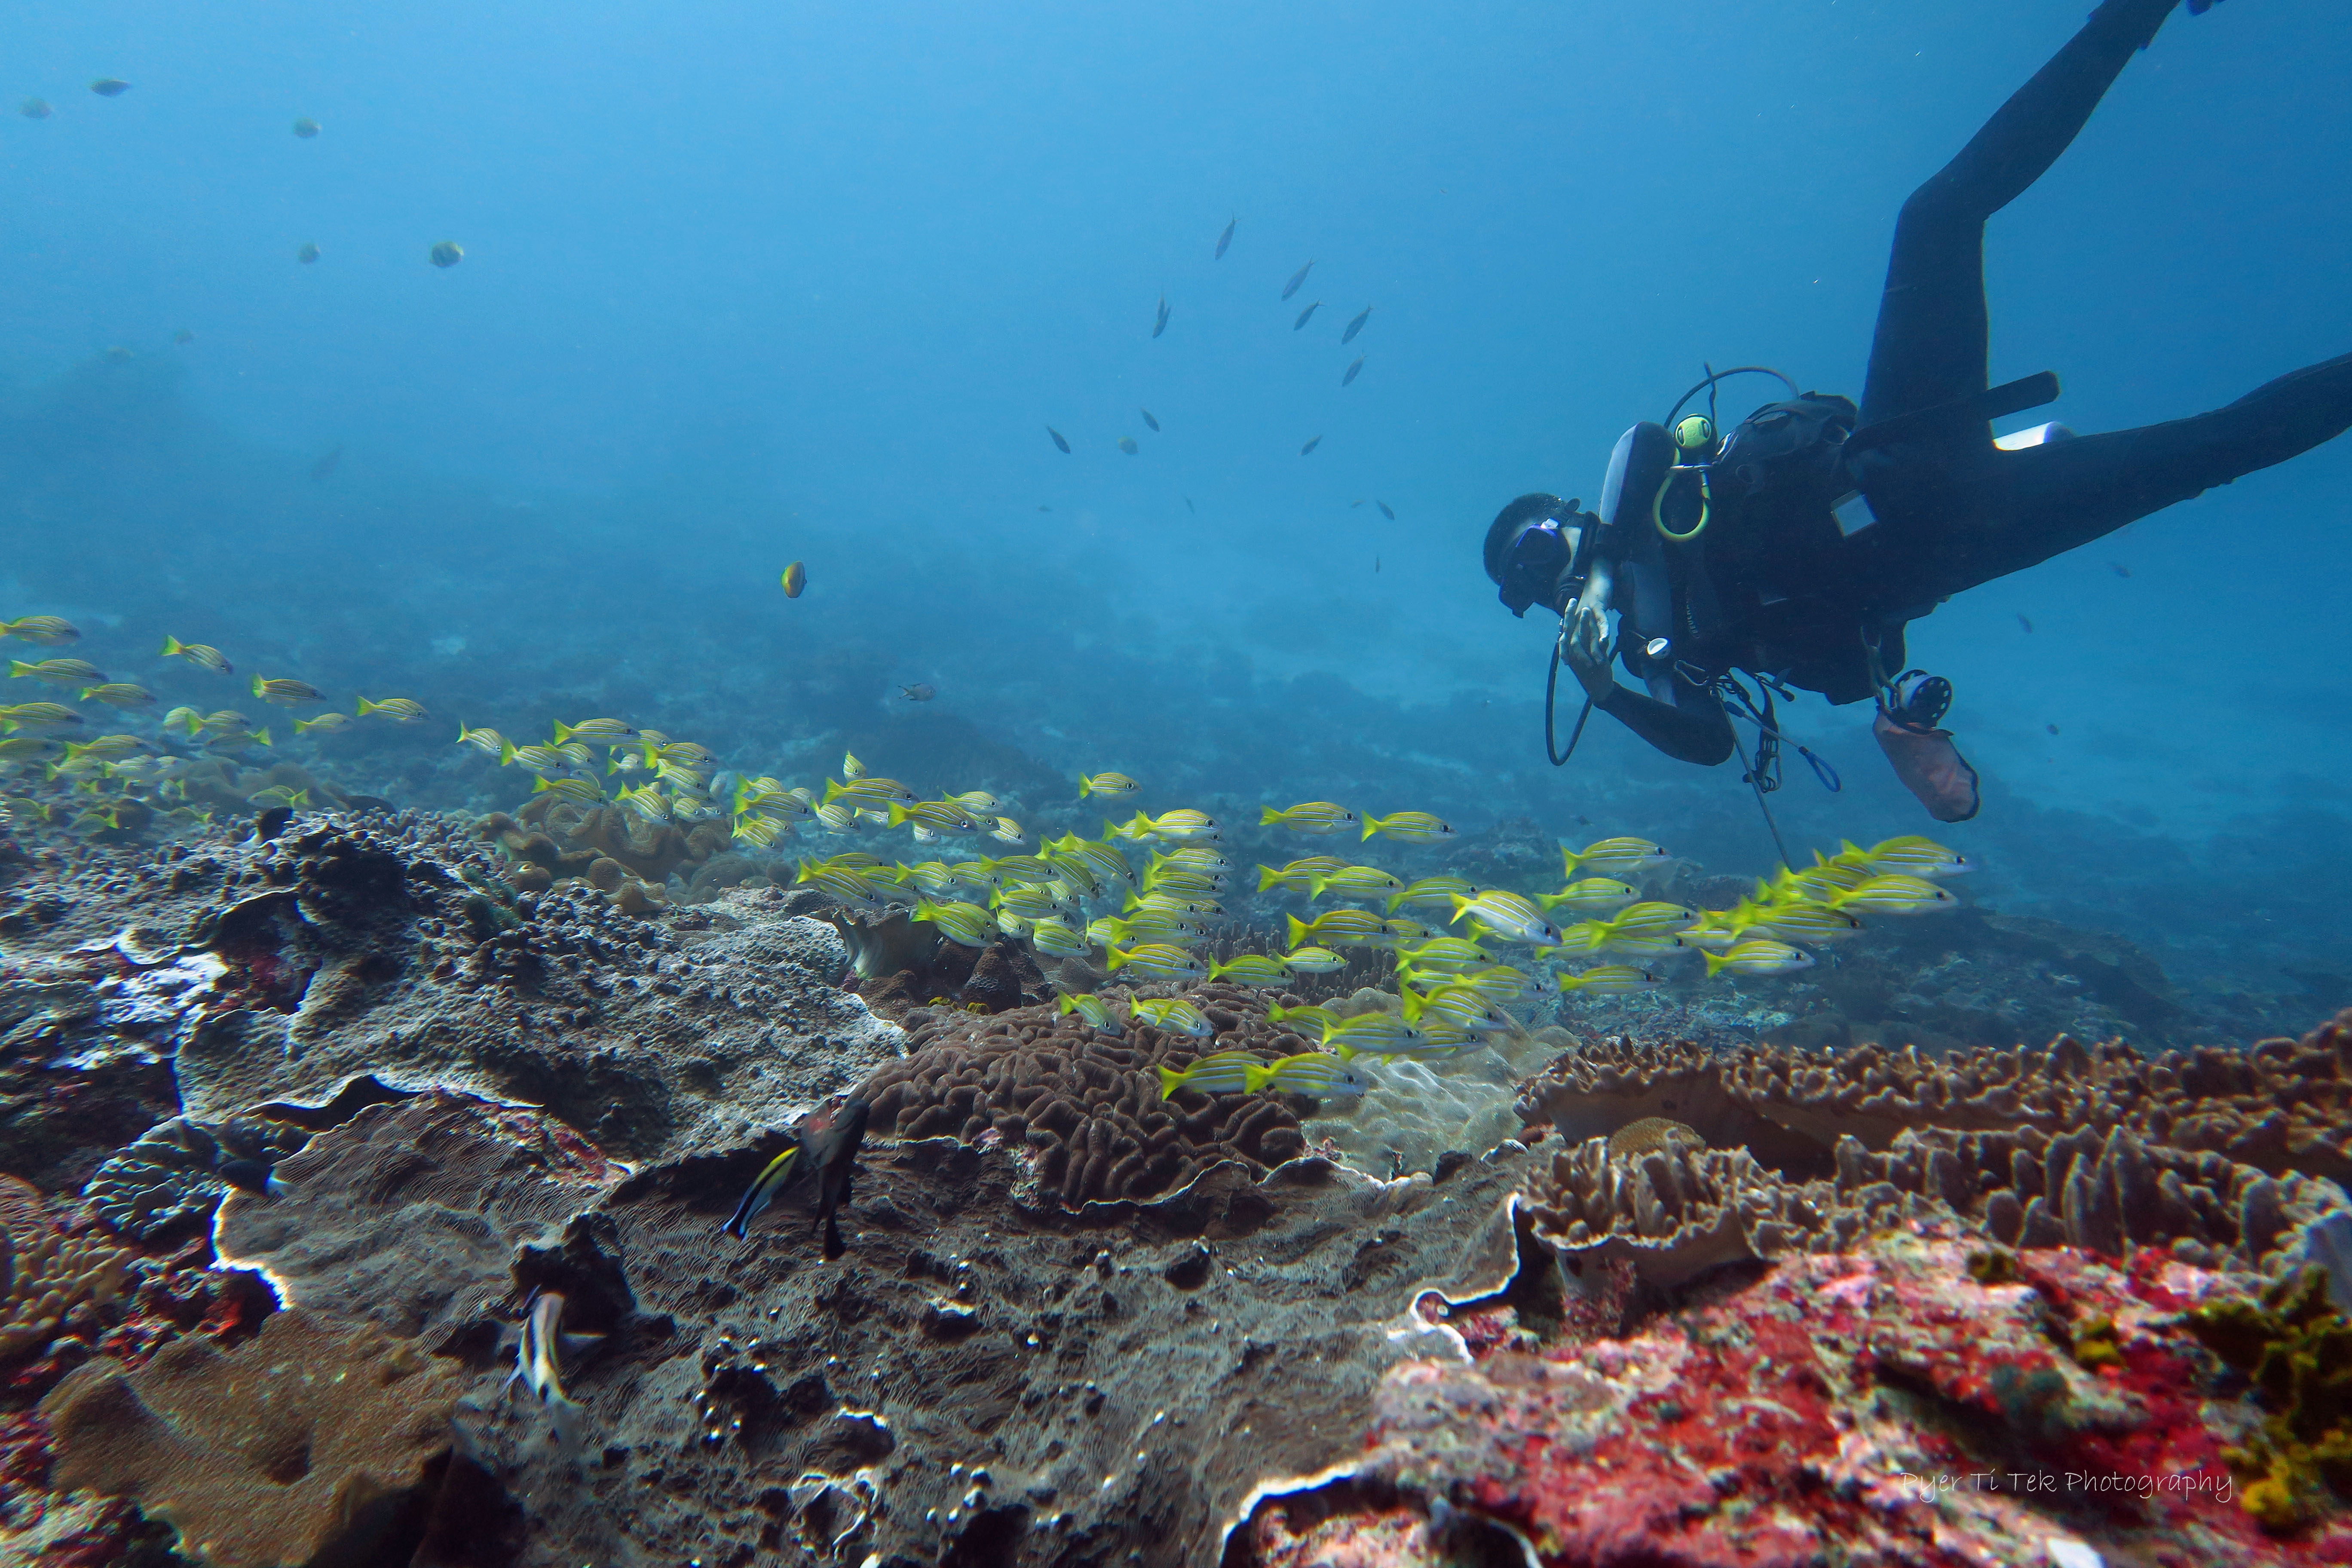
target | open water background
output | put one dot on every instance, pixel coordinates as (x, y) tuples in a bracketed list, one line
[(751, 283)]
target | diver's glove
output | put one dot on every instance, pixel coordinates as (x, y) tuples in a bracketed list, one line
[(1585, 646)]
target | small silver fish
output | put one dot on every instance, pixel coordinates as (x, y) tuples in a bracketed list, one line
[(1148, 419), (1354, 371), (1357, 325), (1059, 440), (1160, 322), (1225, 238), (1306, 315), (1312, 443), (1295, 280)]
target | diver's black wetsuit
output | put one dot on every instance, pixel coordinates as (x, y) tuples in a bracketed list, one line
[(1953, 511)]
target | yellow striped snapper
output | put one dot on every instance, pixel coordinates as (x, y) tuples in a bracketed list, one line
[(1610, 980), (1227, 1072), (1157, 961), (58, 671), (1909, 855), (1309, 816), (1463, 1006), (1591, 897), (1179, 825), (1619, 857), (1253, 970), (966, 925), (1056, 939), (1365, 882), (1090, 1008), (1895, 894), (1299, 874), (1339, 928), (1758, 955), (1408, 827), (39, 716), (1173, 1014), (1508, 916), (1309, 1072)]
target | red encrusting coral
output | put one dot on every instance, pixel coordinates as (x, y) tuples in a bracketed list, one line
[(1895, 1404)]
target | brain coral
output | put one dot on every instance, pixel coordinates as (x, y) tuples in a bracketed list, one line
[(1089, 1103)]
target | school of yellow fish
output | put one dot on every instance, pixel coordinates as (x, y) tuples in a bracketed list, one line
[(1462, 954)]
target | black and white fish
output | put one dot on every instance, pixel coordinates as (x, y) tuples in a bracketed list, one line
[(540, 1348)]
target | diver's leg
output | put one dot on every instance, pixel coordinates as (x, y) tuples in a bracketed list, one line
[(2028, 505), (1929, 347)]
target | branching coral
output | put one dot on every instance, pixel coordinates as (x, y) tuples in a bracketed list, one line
[(52, 1278)]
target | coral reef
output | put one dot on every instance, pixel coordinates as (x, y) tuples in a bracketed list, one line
[(2295, 1347), (336, 1457), (171, 1177), (53, 1277), (342, 950), (2283, 1107), (551, 840), (409, 1214), (983, 1378), (1752, 1304), (1087, 1105), (1881, 1406)]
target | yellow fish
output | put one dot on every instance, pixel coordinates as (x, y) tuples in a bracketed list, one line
[(487, 739), (1412, 826), (59, 671), (287, 692), (400, 710), (1309, 816), (1113, 784), (49, 631), (329, 722), (795, 580), (202, 655), (579, 790), (119, 694), (39, 716)]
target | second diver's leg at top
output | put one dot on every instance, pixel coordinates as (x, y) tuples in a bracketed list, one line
[(1930, 346)]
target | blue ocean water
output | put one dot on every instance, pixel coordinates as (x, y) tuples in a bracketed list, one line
[(744, 285)]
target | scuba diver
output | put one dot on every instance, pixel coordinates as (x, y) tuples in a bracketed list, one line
[(1795, 550)]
